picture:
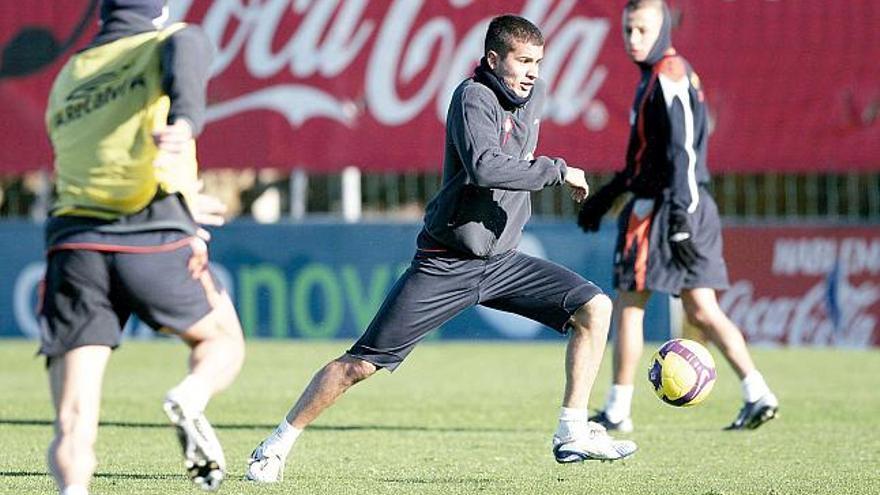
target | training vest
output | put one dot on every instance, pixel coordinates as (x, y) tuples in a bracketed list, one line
[(104, 106)]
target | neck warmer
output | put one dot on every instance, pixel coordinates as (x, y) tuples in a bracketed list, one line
[(484, 74), (150, 9)]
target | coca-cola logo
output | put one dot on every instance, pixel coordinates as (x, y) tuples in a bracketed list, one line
[(803, 319), (832, 310), (398, 43)]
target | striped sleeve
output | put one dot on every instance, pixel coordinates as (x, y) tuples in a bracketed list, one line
[(680, 150)]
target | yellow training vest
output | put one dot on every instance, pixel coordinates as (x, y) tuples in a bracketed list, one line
[(103, 108)]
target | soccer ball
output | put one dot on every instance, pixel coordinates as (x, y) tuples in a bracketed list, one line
[(682, 373)]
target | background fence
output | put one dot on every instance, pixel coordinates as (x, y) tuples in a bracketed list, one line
[(274, 195)]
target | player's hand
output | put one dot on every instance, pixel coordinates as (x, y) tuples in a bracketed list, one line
[(577, 182), (171, 141), (681, 242), (207, 209), (173, 138), (592, 211)]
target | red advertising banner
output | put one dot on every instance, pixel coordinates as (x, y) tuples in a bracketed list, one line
[(804, 286), (793, 85)]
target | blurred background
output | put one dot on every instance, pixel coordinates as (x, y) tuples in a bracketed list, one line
[(325, 139)]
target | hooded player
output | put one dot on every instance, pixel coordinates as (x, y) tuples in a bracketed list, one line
[(670, 232)]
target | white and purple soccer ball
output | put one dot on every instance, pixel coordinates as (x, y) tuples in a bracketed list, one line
[(682, 373)]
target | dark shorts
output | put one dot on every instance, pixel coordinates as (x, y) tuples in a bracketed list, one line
[(90, 292), (643, 258), (439, 285)]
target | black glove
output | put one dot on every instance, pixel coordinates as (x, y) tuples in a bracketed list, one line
[(681, 242), (592, 211), (596, 205)]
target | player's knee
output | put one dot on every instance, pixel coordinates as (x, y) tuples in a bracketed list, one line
[(234, 338), (355, 370), (226, 339), (700, 317), (595, 314), (235, 354), (221, 323), (221, 329), (599, 307)]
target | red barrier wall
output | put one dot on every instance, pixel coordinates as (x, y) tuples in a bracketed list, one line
[(793, 85)]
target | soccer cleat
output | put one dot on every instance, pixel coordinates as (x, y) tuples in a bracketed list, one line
[(595, 445), (265, 466), (754, 414), (625, 425), (202, 453)]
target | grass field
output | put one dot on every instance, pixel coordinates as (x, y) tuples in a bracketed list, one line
[(460, 418)]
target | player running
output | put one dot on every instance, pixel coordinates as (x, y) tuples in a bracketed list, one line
[(123, 235), (670, 232), (466, 254)]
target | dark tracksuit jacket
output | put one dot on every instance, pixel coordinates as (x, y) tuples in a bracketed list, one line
[(666, 162), (666, 156), (488, 171)]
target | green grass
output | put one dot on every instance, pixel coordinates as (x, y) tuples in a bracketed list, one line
[(460, 418)]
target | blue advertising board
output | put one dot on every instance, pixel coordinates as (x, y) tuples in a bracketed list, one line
[(325, 280)]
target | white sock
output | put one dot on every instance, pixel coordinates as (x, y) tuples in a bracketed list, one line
[(571, 422), (619, 404), (75, 490), (754, 387), (192, 393), (282, 439)]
